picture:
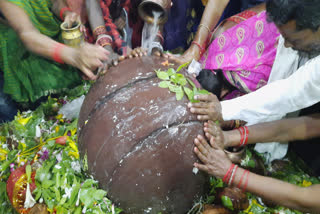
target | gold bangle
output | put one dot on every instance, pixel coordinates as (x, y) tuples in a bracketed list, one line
[(237, 124), (99, 30), (205, 26)]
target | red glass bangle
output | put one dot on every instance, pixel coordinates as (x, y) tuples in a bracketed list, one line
[(246, 184), (241, 130), (247, 135), (242, 176), (56, 56), (228, 172), (62, 11), (233, 175), (201, 48)]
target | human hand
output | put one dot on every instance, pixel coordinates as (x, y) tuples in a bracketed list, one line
[(71, 18), (87, 58), (215, 161), (187, 56), (215, 135), (209, 107), (137, 52)]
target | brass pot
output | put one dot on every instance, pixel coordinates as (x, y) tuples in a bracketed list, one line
[(72, 37), (236, 156), (147, 7)]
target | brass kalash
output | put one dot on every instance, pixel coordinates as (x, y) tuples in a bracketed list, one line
[(72, 36), (147, 7)]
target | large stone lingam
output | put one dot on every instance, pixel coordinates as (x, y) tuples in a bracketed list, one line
[(138, 140)]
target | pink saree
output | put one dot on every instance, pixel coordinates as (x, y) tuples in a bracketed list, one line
[(245, 53)]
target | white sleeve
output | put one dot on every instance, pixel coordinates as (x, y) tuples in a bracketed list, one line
[(275, 100)]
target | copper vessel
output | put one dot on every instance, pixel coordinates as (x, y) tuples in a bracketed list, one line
[(147, 7), (235, 156), (72, 37)]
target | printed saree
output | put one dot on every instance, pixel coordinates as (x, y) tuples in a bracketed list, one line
[(245, 53), (27, 76)]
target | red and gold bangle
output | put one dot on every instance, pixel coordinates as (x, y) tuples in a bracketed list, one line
[(99, 31), (242, 176), (62, 11), (202, 50), (104, 40), (237, 122), (56, 55), (241, 130)]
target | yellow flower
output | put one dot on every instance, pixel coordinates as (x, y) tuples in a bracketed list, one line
[(74, 154), (253, 202), (3, 154), (306, 183), (57, 128), (23, 121), (73, 145), (3, 139), (59, 116)]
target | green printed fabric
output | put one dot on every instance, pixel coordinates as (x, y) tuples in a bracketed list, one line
[(28, 76)]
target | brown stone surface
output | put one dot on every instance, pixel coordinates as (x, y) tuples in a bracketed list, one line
[(139, 141)]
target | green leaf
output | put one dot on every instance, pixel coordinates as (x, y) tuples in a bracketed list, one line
[(251, 164), (164, 84), (99, 194), (28, 172), (179, 95), (183, 65), (188, 92), (47, 183), (191, 83), (201, 92), (178, 79), (171, 71), (88, 183), (226, 201), (163, 75), (174, 88), (57, 193), (38, 193)]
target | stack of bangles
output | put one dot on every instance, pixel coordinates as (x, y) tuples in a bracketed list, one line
[(104, 40), (244, 133), (56, 54), (231, 174)]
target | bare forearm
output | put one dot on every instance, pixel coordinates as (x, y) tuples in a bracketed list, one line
[(95, 15), (210, 18), (282, 131), (282, 193)]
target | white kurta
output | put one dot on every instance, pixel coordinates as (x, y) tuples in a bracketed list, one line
[(294, 84)]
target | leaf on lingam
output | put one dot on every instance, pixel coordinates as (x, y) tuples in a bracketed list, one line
[(164, 84), (163, 75)]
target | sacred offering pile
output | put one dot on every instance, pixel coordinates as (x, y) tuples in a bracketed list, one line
[(137, 139)]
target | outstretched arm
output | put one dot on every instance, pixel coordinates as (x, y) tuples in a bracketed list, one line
[(210, 18), (216, 163), (285, 130), (43, 45)]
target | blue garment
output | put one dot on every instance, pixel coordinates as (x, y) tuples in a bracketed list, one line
[(184, 18), (8, 108)]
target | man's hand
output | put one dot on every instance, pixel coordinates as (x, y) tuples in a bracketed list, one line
[(215, 161), (209, 107), (215, 135)]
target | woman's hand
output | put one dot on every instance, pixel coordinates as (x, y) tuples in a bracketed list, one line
[(137, 52), (215, 161), (87, 58), (209, 107), (190, 54)]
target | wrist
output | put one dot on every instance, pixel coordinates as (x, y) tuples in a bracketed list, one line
[(194, 51), (232, 138), (64, 11), (68, 55)]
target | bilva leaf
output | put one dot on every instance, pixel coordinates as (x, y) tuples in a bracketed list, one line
[(171, 71), (188, 92), (163, 75), (174, 88), (178, 79), (179, 94), (191, 83), (182, 66), (164, 84)]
